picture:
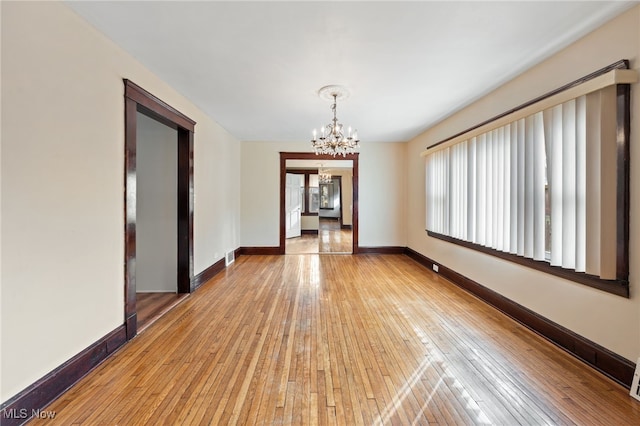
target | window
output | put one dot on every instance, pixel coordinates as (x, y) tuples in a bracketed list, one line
[(308, 191), (541, 185)]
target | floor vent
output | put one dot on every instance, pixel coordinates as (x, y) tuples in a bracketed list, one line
[(229, 258), (635, 385)]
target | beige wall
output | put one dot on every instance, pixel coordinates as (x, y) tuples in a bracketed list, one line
[(347, 195), (62, 191), (62, 187), (612, 321), (381, 192)]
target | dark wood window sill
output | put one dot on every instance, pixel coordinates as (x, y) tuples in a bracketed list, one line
[(617, 287)]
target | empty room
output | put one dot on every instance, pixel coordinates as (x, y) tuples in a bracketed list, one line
[(332, 212)]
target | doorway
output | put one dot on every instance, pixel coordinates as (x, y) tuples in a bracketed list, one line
[(335, 234), (139, 102), (323, 214), (156, 220), (329, 208)]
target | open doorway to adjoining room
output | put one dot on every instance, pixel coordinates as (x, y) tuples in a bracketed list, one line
[(319, 204), (158, 263)]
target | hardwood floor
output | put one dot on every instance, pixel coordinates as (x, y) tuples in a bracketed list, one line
[(151, 306), (330, 239), (347, 340)]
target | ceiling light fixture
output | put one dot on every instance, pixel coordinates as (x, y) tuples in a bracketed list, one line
[(324, 175), (332, 139)]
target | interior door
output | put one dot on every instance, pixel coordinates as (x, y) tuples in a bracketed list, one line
[(293, 205)]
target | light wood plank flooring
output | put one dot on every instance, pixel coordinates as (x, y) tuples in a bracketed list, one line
[(347, 340), (304, 244), (151, 306), (330, 239), (333, 239)]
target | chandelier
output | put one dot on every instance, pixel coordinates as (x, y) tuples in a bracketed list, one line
[(324, 176), (332, 139)]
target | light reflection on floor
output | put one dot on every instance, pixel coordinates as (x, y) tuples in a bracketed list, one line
[(330, 239), (433, 360)]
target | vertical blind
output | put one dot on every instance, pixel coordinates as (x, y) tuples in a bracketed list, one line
[(523, 187)]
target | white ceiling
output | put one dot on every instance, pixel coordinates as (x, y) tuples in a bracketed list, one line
[(255, 67)]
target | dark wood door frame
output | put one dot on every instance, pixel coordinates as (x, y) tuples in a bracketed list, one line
[(139, 100), (284, 156), (341, 210), (341, 217)]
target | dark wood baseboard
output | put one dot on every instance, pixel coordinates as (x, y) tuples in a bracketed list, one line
[(265, 251), (381, 250), (309, 232), (24, 405), (131, 325), (610, 364), (21, 407), (208, 273), (343, 226)]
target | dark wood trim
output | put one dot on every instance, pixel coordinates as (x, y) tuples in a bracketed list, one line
[(343, 226), (208, 273), (610, 364), (157, 108), (303, 171), (139, 100), (284, 156), (309, 231), (355, 215), (307, 173), (382, 250), (131, 324), (307, 196), (185, 212), (283, 184), (621, 64), (617, 287), (623, 124), (130, 124), (318, 157), (263, 251), (339, 178), (41, 393)]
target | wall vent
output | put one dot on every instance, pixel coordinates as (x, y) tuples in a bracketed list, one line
[(229, 258), (635, 385)]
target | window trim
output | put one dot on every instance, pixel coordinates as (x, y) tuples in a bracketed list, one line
[(619, 286), (622, 64), (307, 188)]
